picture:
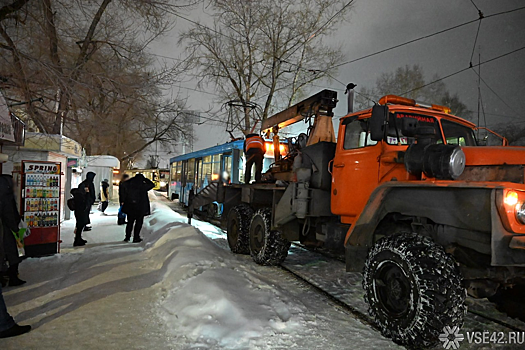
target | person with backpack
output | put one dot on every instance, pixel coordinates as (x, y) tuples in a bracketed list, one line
[(135, 204), (81, 206)]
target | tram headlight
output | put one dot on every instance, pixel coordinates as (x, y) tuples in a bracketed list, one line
[(162, 184)]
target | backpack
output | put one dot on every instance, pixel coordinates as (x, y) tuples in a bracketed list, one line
[(71, 203)]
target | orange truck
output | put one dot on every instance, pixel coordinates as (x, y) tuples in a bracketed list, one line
[(409, 196)]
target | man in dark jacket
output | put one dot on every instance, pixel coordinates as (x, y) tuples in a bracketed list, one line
[(134, 194), (89, 189), (10, 220), (254, 154), (81, 214), (8, 327)]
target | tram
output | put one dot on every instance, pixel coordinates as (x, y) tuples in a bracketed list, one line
[(224, 162), (158, 176)]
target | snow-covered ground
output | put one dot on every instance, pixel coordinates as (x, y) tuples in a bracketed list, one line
[(176, 290)]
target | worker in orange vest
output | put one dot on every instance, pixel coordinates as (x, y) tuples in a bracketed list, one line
[(254, 153)]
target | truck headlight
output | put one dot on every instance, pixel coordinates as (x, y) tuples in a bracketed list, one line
[(520, 213), (456, 162)]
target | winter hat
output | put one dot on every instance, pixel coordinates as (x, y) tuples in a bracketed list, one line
[(90, 176)]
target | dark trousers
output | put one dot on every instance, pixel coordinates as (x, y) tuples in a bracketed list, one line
[(138, 220), (78, 231), (6, 321), (257, 159), (105, 205)]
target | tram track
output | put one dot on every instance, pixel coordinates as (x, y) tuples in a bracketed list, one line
[(344, 289)]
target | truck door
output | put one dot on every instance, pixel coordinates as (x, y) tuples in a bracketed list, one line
[(355, 169)]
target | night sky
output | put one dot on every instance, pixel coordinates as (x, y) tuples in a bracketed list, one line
[(375, 25)]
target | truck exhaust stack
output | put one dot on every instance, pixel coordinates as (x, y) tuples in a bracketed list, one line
[(350, 91)]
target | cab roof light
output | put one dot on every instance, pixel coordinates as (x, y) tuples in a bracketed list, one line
[(410, 102)]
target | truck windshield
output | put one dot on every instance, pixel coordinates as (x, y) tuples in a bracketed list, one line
[(402, 127), (457, 134)]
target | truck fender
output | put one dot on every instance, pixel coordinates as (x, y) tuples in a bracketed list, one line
[(466, 207)]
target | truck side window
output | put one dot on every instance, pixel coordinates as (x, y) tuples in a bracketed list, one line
[(357, 136)]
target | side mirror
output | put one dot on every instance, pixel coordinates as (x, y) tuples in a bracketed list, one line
[(378, 122)]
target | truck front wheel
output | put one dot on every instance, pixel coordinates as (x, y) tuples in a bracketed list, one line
[(267, 247), (413, 289), (238, 228)]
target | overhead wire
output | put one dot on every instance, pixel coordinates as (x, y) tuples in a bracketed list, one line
[(395, 46), (476, 39), (424, 37), (464, 69), (495, 93), (473, 3)]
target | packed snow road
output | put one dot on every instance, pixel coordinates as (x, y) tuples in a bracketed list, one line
[(176, 290)]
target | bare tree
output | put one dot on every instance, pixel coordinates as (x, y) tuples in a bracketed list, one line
[(88, 59), (410, 82), (264, 51)]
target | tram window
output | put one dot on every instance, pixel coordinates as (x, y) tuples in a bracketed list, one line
[(173, 172), (216, 167), (206, 171), (199, 177), (190, 170), (228, 164), (178, 176), (240, 164)]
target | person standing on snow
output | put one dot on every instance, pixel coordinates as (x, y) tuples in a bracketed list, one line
[(254, 153), (134, 194), (82, 208), (121, 217), (89, 189), (10, 218), (104, 195)]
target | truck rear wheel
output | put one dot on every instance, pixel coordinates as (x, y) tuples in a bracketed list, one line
[(413, 289), (238, 228), (267, 247)]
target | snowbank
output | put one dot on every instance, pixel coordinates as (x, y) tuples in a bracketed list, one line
[(208, 298)]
